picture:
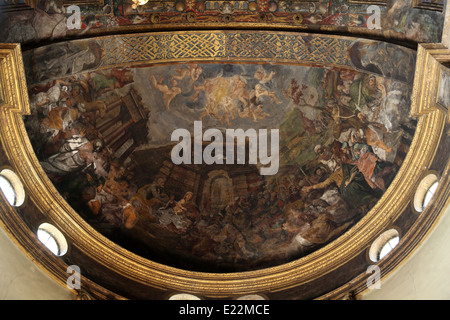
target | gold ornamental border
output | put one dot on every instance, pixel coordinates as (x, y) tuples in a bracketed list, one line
[(237, 46), (43, 195)]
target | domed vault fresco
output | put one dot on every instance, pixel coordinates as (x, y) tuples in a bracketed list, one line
[(141, 144)]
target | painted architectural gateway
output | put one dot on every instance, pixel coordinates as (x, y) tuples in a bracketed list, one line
[(105, 136)]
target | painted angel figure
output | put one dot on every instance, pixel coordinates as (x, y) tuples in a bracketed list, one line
[(169, 93), (262, 76), (260, 91)]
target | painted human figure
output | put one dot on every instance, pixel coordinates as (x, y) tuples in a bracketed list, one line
[(180, 207), (168, 93), (378, 173), (155, 193), (75, 154)]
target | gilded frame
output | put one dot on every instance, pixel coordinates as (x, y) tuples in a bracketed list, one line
[(430, 64), (42, 194)]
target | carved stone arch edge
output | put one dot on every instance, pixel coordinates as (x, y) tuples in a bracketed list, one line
[(42, 194)]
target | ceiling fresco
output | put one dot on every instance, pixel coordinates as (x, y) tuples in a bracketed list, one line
[(221, 148), (102, 126)]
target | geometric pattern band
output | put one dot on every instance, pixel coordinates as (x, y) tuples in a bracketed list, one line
[(243, 45)]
